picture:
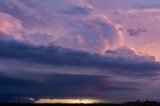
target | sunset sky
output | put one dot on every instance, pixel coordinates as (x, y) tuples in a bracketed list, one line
[(104, 50)]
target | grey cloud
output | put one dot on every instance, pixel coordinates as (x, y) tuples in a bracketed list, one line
[(75, 10), (64, 85), (57, 56)]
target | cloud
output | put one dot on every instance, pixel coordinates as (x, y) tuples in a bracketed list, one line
[(63, 23), (42, 39), (28, 76), (10, 26), (133, 63), (64, 85), (135, 32), (129, 53), (75, 10), (125, 5), (21, 9), (93, 31)]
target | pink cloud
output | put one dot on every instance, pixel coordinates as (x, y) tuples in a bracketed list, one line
[(129, 53), (10, 26)]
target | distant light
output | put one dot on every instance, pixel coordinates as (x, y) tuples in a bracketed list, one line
[(69, 101)]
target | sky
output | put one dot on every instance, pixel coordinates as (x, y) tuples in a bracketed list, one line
[(104, 50)]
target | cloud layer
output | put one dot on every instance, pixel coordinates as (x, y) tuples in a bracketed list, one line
[(77, 26), (108, 81), (54, 55), (59, 48)]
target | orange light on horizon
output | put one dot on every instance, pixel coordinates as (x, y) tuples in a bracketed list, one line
[(69, 101)]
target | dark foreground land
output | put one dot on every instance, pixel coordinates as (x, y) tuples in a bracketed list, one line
[(137, 103)]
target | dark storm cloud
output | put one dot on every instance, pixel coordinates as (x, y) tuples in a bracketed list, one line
[(64, 85), (58, 56)]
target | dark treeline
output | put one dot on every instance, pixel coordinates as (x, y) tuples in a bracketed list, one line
[(136, 103)]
